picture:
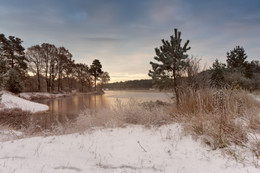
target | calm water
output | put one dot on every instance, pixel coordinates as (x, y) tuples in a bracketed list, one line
[(67, 108)]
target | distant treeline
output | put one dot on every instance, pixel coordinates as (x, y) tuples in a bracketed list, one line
[(133, 84), (45, 67)]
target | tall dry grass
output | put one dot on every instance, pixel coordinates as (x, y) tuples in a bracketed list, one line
[(221, 117), (122, 113), (15, 118)]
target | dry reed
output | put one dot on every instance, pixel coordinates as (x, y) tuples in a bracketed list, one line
[(221, 117), (15, 118), (131, 112)]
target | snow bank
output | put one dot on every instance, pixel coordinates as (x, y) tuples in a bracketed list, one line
[(131, 149), (40, 95), (11, 101)]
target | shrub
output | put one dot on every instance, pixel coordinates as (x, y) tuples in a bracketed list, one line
[(133, 112), (217, 75), (15, 118), (14, 83)]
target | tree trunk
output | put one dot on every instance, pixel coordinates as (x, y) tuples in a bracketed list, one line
[(81, 87), (52, 83), (46, 77), (38, 80), (95, 76), (47, 82), (12, 60), (69, 82), (61, 82), (175, 87), (59, 85), (176, 92), (51, 77)]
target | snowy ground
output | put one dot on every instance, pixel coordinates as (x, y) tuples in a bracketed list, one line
[(10, 100), (130, 149), (8, 135)]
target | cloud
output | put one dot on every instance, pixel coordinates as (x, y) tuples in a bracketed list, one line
[(123, 34)]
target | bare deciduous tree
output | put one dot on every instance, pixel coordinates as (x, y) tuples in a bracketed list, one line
[(35, 62)]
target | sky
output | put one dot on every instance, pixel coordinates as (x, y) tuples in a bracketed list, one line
[(122, 34)]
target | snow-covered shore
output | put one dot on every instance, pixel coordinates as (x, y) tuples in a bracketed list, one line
[(130, 149), (10, 101), (46, 95), (40, 95)]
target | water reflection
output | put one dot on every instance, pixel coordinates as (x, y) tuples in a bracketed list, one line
[(65, 109), (75, 104)]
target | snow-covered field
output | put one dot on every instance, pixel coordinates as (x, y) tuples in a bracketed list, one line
[(9, 100), (129, 149)]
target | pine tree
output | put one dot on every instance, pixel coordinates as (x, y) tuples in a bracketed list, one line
[(12, 52), (96, 71), (14, 83), (172, 61), (3, 76), (236, 59), (217, 75)]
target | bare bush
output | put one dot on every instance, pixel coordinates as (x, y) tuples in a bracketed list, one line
[(15, 118), (193, 70), (134, 112), (237, 79), (88, 119)]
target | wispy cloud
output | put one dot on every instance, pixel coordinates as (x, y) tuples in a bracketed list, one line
[(123, 34)]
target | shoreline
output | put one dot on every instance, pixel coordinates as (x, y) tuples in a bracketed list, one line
[(45, 95), (12, 101)]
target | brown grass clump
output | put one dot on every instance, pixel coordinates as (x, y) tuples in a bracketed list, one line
[(131, 112), (146, 113), (222, 117), (15, 118)]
